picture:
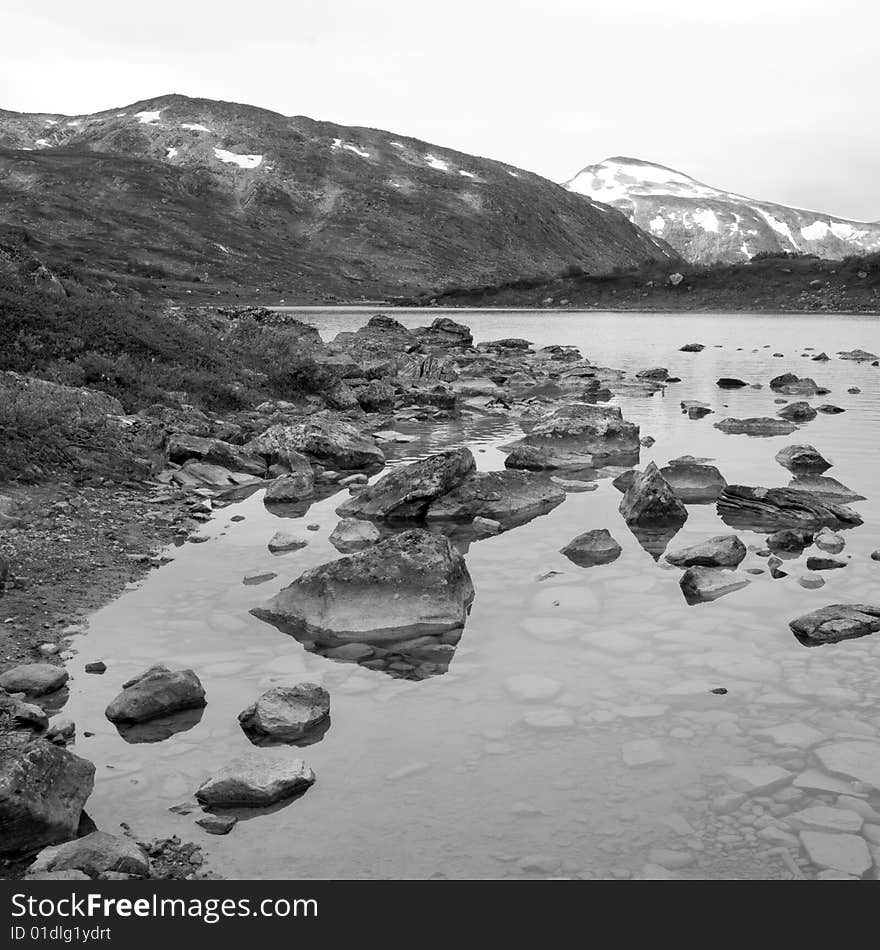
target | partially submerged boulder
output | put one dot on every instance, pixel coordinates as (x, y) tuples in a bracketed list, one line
[(650, 500), (592, 548), (291, 714), (353, 534), (824, 488), (836, 622), (725, 550), (406, 491), (324, 438), (43, 788), (798, 412), (693, 483), (156, 692), (758, 426), (802, 458), (791, 385), (256, 779), (412, 584), (769, 509), (508, 497), (702, 584), (94, 854)]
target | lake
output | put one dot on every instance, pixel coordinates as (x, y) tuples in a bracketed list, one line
[(618, 765)]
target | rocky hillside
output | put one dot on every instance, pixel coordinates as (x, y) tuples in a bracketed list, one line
[(705, 224), (176, 195)]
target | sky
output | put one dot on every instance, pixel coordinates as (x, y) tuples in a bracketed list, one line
[(775, 99)]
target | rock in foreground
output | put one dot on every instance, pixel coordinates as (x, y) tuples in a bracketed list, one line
[(287, 713), (702, 584), (156, 692), (94, 854), (255, 779), (410, 585), (722, 551), (42, 792), (835, 623)]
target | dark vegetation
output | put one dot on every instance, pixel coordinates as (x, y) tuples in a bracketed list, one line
[(769, 282)]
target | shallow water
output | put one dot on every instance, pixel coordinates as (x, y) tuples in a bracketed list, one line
[(460, 776)]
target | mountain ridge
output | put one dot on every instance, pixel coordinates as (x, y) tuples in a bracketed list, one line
[(197, 193), (706, 224)]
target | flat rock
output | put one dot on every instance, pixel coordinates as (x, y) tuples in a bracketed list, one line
[(724, 550), (34, 679), (592, 548), (694, 483), (287, 713), (840, 852), (156, 692), (255, 779), (509, 497), (853, 758), (757, 426), (770, 509), (728, 382), (702, 584), (836, 622), (824, 488), (409, 585)]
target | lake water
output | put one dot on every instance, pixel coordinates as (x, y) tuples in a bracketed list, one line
[(458, 775)]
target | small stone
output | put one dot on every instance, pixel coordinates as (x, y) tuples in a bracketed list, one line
[(258, 577), (282, 541), (98, 666), (217, 824)]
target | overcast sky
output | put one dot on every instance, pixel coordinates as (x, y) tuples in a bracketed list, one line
[(776, 99)]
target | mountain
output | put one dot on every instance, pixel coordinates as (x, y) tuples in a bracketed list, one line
[(705, 224), (177, 194)]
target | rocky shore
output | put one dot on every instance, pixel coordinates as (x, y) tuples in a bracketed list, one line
[(398, 599)]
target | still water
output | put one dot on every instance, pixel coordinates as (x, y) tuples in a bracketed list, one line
[(616, 765)]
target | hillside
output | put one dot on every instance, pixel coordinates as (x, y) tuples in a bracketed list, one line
[(176, 196), (767, 284), (705, 224)]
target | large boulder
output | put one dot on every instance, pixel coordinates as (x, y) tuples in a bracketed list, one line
[(34, 679), (410, 585), (287, 714), (376, 396), (769, 509), (592, 548), (444, 334), (156, 692), (406, 491), (725, 550), (69, 406), (759, 426), (323, 438), (802, 458), (508, 497), (650, 500), (183, 447), (94, 854), (835, 623), (292, 487), (255, 779), (43, 788), (702, 584), (572, 436), (694, 483)]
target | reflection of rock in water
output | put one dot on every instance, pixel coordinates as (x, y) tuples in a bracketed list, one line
[(654, 538), (157, 730), (398, 606)]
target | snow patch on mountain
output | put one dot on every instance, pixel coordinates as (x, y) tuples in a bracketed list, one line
[(194, 127), (170, 152), (434, 162), (43, 143), (243, 161), (147, 118), (338, 143)]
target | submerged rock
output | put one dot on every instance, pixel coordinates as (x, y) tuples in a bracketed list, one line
[(798, 412), (835, 623), (591, 548), (694, 483), (156, 692), (802, 458), (43, 788), (722, 551), (742, 506), (701, 584), (34, 679), (287, 713), (352, 534), (509, 497), (406, 491), (257, 778), (409, 585), (764, 426)]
